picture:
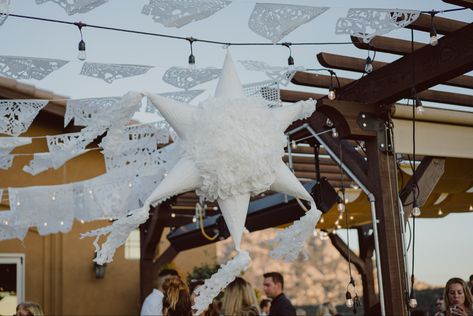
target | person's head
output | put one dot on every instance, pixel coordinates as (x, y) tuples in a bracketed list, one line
[(457, 293), (471, 280), (163, 276), (176, 300), (239, 296), (273, 284), (29, 309), (265, 305), (440, 304)]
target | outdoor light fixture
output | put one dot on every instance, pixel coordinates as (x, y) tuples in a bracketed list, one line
[(348, 300), (81, 54), (331, 93), (419, 107), (368, 65), (191, 56), (293, 144), (412, 300), (99, 269), (334, 133), (340, 206), (290, 59), (416, 210), (433, 31)]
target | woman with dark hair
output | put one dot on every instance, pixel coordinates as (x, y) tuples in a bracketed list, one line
[(457, 297), (176, 300)]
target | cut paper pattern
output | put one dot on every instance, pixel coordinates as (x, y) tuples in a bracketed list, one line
[(6, 162), (267, 90), (232, 148), (4, 10), (279, 74), (44, 161), (76, 6), (29, 67), (111, 72), (181, 96), (37, 207), (16, 116), (7, 144), (368, 23), (90, 112), (186, 78), (274, 21), (182, 12), (8, 229)]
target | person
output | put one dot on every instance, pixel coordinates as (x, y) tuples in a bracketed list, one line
[(471, 283), (273, 285), (264, 306), (240, 299), (153, 303), (326, 309), (457, 297), (176, 298), (440, 306), (29, 309)]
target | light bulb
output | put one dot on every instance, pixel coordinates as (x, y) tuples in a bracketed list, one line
[(173, 215), (81, 55), (348, 300), (191, 61), (334, 133), (340, 207), (368, 65), (331, 94), (293, 144), (440, 212), (433, 37), (416, 211), (412, 302), (194, 219), (470, 208), (419, 106)]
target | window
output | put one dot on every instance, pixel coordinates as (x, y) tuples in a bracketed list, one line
[(132, 245), (12, 284)]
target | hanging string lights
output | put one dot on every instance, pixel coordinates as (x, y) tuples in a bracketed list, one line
[(81, 54)]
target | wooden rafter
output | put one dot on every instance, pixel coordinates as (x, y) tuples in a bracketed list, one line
[(461, 3), (442, 25), (358, 65), (453, 56)]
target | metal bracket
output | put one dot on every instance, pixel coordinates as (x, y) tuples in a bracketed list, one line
[(369, 121)]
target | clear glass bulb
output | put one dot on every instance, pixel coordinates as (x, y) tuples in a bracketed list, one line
[(334, 133), (434, 40), (412, 302), (420, 109), (81, 54), (368, 67), (341, 207), (348, 300), (416, 211), (332, 95), (293, 144)]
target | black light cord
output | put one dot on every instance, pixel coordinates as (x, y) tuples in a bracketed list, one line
[(176, 37)]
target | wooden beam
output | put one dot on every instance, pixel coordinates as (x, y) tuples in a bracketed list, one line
[(453, 56), (428, 175), (295, 96), (442, 25), (366, 246), (346, 253), (166, 257), (358, 65), (461, 3), (387, 45), (383, 168)]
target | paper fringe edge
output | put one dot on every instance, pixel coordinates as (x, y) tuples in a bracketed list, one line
[(219, 280)]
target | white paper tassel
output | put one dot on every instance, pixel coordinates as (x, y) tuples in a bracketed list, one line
[(219, 280), (290, 242)]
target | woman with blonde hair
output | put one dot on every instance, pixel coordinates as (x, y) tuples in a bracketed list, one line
[(176, 300), (29, 309), (240, 299), (457, 297)]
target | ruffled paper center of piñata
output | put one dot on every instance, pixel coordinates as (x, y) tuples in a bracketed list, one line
[(236, 146)]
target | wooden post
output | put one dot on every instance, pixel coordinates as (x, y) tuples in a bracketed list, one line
[(382, 176)]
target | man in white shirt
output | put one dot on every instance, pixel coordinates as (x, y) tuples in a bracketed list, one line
[(153, 303)]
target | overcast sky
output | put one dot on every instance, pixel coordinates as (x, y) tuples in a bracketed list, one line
[(443, 247)]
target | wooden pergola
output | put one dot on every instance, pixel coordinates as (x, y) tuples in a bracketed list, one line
[(362, 114)]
